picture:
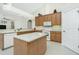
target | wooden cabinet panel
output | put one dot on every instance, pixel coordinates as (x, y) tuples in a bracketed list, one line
[(36, 21), (58, 36), (33, 48), (52, 36), (54, 18), (50, 17), (42, 45), (58, 18), (55, 36), (39, 21), (46, 18), (1, 41), (20, 47), (36, 47)]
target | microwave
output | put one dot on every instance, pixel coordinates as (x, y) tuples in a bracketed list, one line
[(47, 24)]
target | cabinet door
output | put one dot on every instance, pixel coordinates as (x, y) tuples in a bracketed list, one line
[(42, 45), (32, 48), (36, 21), (1, 41), (58, 18), (46, 18), (53, 19), (39, 21), (52, 36), (58, 36)]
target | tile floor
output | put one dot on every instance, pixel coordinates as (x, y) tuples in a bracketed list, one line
[(53, 48)]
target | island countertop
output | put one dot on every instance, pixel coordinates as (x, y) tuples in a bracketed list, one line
[(30, 37)]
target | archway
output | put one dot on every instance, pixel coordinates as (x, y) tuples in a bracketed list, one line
[(29, 24)]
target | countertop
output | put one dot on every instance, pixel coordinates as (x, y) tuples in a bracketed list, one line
[(30, 37), (22, 30), (54, 28), (5, 31)]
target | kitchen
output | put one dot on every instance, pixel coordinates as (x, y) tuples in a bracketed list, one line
[(37, 32)]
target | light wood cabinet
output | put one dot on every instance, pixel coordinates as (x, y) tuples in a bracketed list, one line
[(39, 21), (52, 36), (55, 36), (1, 41), (36, 47), (58, 18), (55, 19), (58, 36)]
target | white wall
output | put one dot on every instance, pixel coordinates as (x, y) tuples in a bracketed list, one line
[(60, 7), (8, 24), (20, 24), (70, 24)]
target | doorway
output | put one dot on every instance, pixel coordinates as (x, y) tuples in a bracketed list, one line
[(29, 24)]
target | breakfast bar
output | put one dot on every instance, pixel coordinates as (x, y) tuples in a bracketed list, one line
[(30, 44)]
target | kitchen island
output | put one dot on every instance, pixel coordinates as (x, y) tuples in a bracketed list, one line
[(30, 44)]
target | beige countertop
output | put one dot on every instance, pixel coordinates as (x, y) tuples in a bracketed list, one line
[(5, 31), (53, 28), (30, 37), (24, 30)]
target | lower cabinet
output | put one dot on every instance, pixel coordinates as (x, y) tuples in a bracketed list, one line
[(35, 47), (55, 36), (1, 41)]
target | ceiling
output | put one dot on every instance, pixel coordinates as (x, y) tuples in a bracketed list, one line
[(32, 8), (29, 7)]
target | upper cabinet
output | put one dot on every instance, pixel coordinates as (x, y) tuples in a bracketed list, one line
[(58, 18), (39, 21), (54, 18)]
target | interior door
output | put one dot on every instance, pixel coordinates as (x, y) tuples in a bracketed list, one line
[(70, 33)]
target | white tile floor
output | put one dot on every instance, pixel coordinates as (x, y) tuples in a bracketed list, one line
[(53, 48)]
